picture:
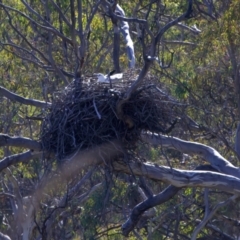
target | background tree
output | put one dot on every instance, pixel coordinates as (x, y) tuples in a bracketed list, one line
[(189, 49)]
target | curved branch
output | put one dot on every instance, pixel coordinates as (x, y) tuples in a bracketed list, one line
[(153, 201), (6, 140), (24, 157), (148, 60), (4, 237), (182, 178), (138, 210), (208, 153), (184, 16), (14, 97)]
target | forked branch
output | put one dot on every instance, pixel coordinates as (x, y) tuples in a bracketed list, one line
[(148, 60), (209, 154)]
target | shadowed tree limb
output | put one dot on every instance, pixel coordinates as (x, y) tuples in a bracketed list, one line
[(6, 140), (237, 141), (153, 201), (24, 157), (216, 229), (184, 16)]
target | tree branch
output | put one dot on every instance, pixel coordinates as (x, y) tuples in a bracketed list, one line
[(182, 178), (210, 215), (208, 153), (6, 140), (184, 16), (138, 210), (24, 157), (153, 201), (237, 141), (14, 97)]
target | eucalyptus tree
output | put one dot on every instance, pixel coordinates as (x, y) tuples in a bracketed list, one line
[(47, 46)]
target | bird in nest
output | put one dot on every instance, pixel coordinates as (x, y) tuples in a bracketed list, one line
[(109, 78)]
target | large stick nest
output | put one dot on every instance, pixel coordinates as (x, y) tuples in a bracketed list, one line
[(85, 116)]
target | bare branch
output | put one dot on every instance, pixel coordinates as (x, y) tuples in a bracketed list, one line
[(237, 141), (69, 194), (125, 30), (153, 201), (210, 215), (16, 190), (49, 29), (184, 16), (24, 157), (149, 59), (80, 160), (137, 20), (182, 178), (208, 153), (3, 194), (14, 97), (212, 227), (180, 43), (6, 140), (4, 237), (138, 210), (61, 13)]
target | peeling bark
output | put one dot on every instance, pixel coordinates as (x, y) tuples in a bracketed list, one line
[(182, 178)]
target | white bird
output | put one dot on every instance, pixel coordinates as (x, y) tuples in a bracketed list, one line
[(108, 78)]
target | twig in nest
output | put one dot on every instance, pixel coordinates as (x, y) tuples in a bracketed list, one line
[(81, 118), (95, 107)]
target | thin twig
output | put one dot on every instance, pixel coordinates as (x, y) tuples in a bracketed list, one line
[(95, 107)]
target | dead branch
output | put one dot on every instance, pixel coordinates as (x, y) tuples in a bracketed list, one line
[(48, 28), (214, 228), (148, 60), (208, 153), (210, 215), (14, 97), (153, 201), (4, 237), (237, 141), (6, 140), (80, 160), (182, 178), (4, 194), (69, 195), (24, 157)]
